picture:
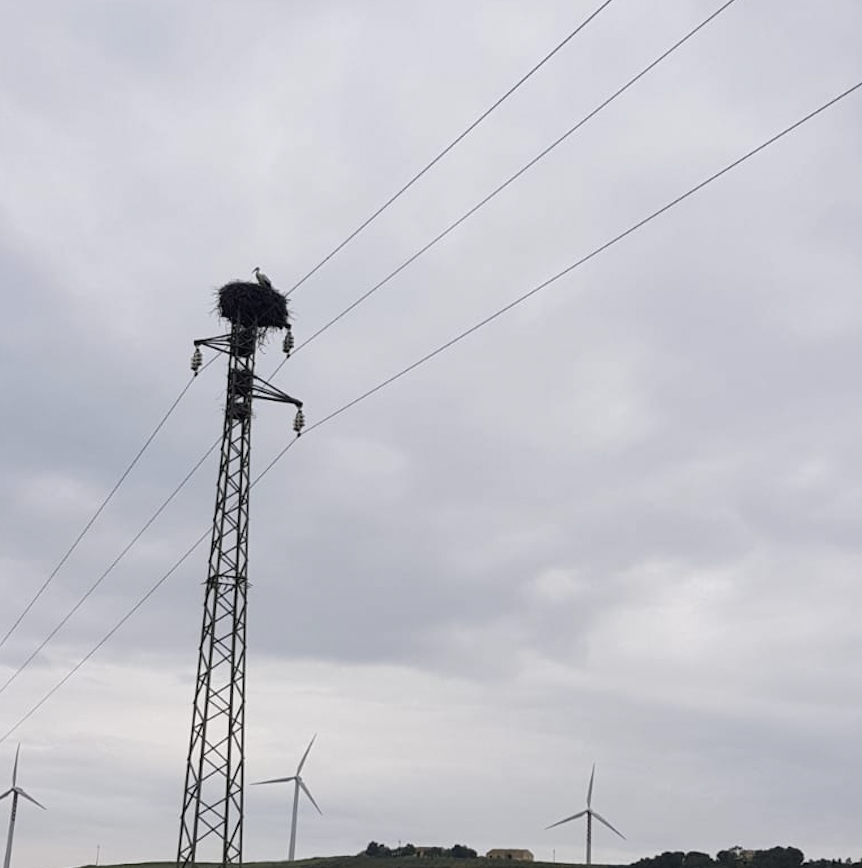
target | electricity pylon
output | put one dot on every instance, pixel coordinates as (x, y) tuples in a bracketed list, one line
[(213, 796)]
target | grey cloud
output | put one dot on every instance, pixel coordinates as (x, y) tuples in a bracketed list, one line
[(618, 524)]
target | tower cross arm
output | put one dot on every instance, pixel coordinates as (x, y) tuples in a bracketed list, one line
[(220, 343), (267, 392)]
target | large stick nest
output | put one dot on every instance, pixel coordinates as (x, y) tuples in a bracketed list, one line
[(250, 304)]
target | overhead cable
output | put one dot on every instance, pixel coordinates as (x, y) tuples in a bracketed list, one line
[(447, 345), (499, 189), (129, 546), (451, 145), (379, 211), (97, 513)]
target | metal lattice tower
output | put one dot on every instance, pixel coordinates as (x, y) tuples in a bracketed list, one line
[(213, 798)]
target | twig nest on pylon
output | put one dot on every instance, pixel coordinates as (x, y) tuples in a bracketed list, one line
[(250, 304)]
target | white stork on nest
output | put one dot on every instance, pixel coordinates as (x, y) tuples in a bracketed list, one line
[(262, 279)]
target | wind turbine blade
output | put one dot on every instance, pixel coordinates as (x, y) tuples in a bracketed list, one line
[(305, 755), (567, 820), (590, 788), (7, 793), (601, 819), (29, 798), (275, 781), (15, 767), (308, 793)]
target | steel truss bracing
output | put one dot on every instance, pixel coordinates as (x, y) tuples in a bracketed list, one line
[(212, 808)]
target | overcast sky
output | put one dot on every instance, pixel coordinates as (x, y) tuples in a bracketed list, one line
[(622, 524)]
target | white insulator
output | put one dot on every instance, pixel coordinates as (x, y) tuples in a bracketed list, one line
[(197, 360)]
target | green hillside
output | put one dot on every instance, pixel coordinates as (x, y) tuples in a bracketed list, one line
[(368, 862), (735, 857)]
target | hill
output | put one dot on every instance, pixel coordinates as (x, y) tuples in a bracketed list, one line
[(363, 861)]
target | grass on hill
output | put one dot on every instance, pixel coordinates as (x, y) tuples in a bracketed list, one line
[(363, 861)]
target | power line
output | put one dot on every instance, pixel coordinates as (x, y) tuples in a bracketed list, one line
[(525, 168), (109, 569), (442, 348), (379, 211), (98, 511), (186, 555), (158, 428), (320, 331), (449, 147), (446, 231), (583, 260), (106, 637), (514, 177)]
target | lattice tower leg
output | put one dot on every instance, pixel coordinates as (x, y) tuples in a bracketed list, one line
[(212, 809)]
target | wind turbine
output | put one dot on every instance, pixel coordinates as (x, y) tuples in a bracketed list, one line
[(15, 791), (589, 813), (298, 784)]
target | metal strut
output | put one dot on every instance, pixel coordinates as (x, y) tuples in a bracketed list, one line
[(213, 796)]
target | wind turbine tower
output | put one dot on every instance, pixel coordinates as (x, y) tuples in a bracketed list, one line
[(589, 813), (212, 809), (15, 791), (298, 784)]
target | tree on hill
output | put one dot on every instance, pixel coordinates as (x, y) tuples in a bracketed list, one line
[(676, 859), (664, 860), (457, 851), (778, 857), (831, 863), (738, 857), (375, 849)]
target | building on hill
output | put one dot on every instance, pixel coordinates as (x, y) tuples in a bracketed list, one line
[(740, 854), (515, 855)]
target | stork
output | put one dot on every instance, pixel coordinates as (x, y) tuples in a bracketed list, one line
[(262, 279)]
